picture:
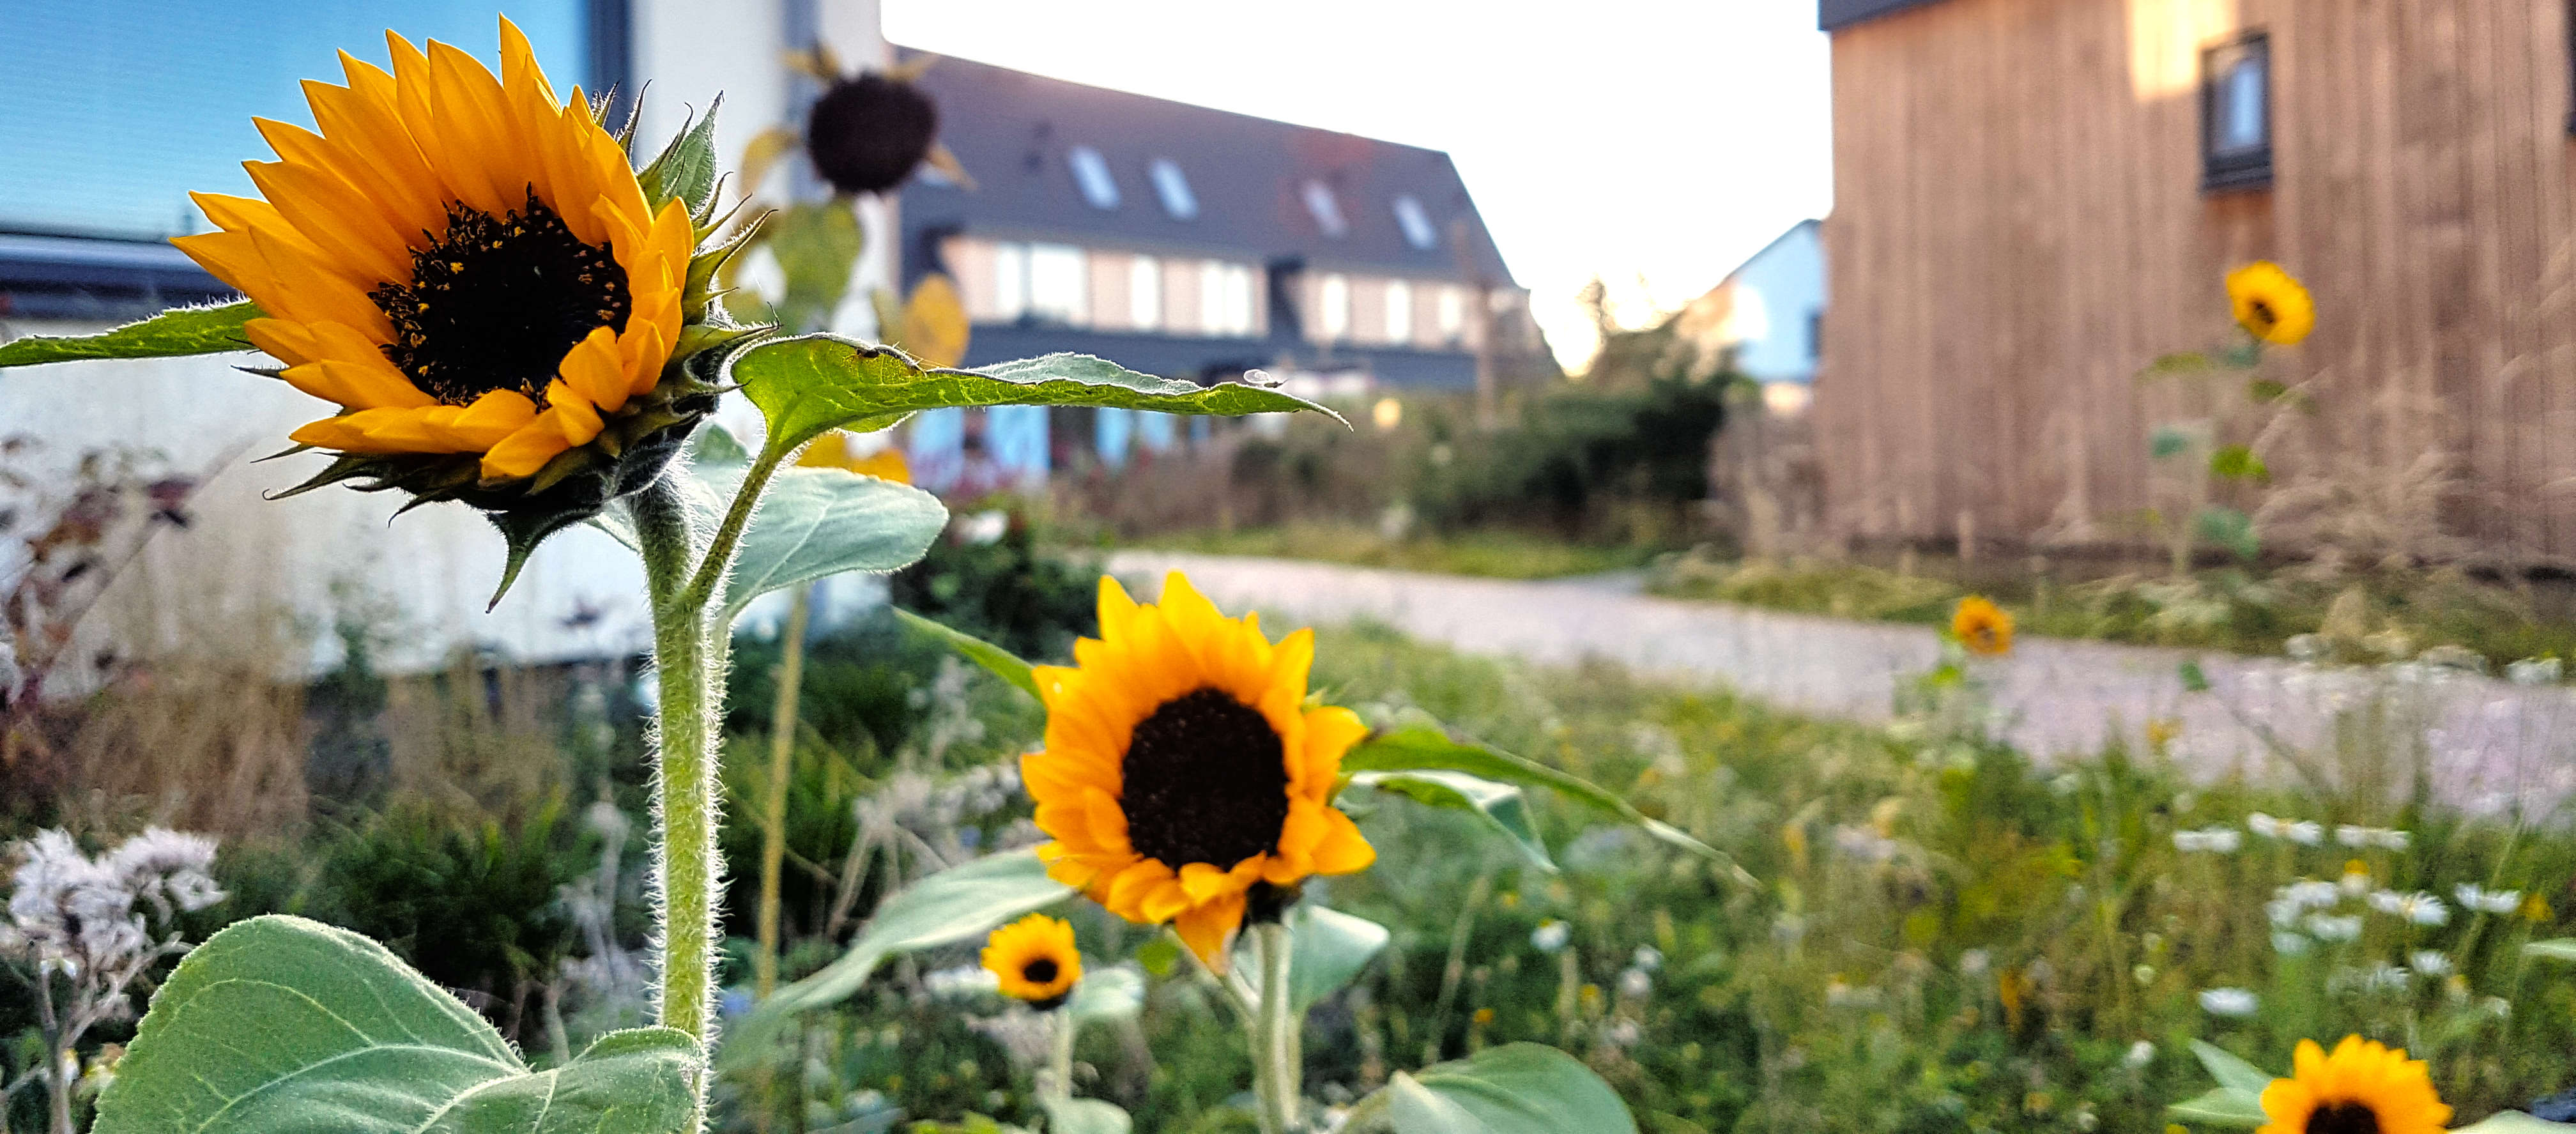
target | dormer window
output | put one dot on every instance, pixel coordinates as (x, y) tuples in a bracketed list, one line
[(1169, 184), (1416, 223), (1326, 209), (2236, 114), (1091, 175)]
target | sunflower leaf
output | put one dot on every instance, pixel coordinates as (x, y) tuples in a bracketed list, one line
[(2221, 1106), (686, 170), (1423, 745), (2230, 1071), (815, 522), (1518, 1088), (2513, 1122), (172, 333), (348, 1039), (1328, 949), (1086, 1116), (1003, 663), (1107, 994), (813, 383), (951, 906), (1502, 806)]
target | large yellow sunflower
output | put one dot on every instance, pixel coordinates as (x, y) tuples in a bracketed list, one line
[(1982, 627), (462, 262), (1184, 778), (2363, 1088), (2271, 304), (1035, 959)]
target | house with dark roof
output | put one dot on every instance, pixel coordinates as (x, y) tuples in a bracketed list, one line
[(1197, 243)]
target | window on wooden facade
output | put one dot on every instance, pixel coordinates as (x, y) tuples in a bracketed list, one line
[(2236, 114)]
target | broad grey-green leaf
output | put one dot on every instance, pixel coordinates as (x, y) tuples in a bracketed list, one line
[(951, 906), (811, 383), (178, 331), (815, 522), (1003, 663), (1107, 994), (1519, 1088), (1421, 745), (1328, 949), (1086, 1116), (2221, 1106), (1500, 805), (2556, 949), (278, 1025), (2230, 1071)]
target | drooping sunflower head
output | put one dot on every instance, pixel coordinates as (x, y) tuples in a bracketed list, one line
[(1184, 777), (472, 272), (2271, 304), (1035, 960), (2362, 1088), (868, 131), (1982, 627)]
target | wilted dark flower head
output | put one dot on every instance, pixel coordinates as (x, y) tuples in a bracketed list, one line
[(868, 132)]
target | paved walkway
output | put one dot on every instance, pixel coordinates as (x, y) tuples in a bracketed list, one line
[(2487, 742)]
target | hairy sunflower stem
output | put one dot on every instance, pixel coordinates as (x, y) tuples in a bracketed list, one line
[(1277, 1059), (1056, 1084), (687, 656), (773, 809)]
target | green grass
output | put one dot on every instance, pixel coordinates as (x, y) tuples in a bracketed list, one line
[(1493, 554), (2360, 618)]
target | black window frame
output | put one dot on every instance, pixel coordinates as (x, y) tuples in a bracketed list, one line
[(2244, 169)]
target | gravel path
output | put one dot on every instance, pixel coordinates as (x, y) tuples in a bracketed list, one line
[(2487, 743)]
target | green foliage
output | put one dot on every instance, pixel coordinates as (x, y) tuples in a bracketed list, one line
[(1577, 450), (1328, 949), (2230, 529), (1418, 745), (815, 383), (1495, 553), (279, 1025), (1007, 592), (685, 171), (178, 331), (1086, 1116), (2238, 462), (1520, 1088), (2238, 1099), (1500, 805), (1002, 663), (817, 522)]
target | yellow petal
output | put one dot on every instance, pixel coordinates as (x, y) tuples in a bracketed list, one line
[(591, 368), (1206, 928)]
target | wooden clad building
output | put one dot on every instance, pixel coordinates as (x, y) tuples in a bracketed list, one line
[(2034, 199)]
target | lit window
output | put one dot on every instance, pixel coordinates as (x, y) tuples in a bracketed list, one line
[(1333, 303), (1174, 189), (1145, 292), (1415, 223), (1059, 284), (1091, 173), (1010, 282), (1399, 311), (1225, 298), (2236, 114), (1453, 313), (1326, 208)]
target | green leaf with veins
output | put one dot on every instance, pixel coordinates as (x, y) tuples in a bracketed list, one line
[(170, 334), (1501, 806), (813, 383), (278, 1025), (1518, 1088)]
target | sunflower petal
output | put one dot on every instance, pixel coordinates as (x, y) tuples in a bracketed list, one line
[(1206, 929)]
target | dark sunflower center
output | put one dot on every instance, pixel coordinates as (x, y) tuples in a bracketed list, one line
[(2263, 313), (1041, 971), (2343, 1118), (1205, 782), (495, 303)]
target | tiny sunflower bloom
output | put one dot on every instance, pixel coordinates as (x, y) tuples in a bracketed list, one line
[(1035, 960), (832, 451), (1184, 778), (1982, 627), (2362, 1088), (469, 268), (2271, 304)]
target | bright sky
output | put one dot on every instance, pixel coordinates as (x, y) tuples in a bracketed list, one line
[(1655, 143)]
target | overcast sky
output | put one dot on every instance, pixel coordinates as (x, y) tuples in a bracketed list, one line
[(1662, 139)]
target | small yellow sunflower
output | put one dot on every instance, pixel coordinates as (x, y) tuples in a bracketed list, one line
[(832, 451), (2363, 1088), (1035, 959), (2271, 304), (463, 263), (1982, 627), (1183, 777)]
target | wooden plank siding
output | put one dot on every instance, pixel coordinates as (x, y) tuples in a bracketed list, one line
[(2019, 228)]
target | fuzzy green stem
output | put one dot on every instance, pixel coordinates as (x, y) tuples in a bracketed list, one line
[(687, 657), (710, 574), (773, 809), (1055, 1083), (1277, 1059)]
